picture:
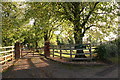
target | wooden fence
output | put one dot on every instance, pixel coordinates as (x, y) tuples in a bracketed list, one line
[(6, 54), (71, 51), (24, 51)]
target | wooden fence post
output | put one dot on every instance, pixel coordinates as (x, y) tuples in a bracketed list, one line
[(33, 50), (12, 53), (60, 52), (17, 50), (5, 58), (21, 46), (53, 50), (90, 52), (21, 51), (70, 51)]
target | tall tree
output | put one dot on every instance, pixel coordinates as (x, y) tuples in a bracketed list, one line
[(45, 21), (85, 15)]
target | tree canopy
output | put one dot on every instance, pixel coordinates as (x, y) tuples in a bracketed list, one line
[(36, 22)]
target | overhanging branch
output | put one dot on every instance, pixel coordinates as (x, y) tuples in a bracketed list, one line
[(87, 28), (81, 10), (87, 17)]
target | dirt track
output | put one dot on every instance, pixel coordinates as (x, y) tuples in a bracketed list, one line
[(40, 67)]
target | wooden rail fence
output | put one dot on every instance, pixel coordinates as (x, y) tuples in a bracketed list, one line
[(25, 51), (6, 54), (71, 50)]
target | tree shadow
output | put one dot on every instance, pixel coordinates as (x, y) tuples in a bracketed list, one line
[(31, 72), (45, 68)]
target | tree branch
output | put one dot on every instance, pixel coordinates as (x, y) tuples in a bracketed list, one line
[(105, 13), (86, 19), (100, 13), (87, 28), (82, 10), (50, 36)]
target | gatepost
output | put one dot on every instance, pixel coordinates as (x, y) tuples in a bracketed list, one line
[(17, 50), (47, 49)]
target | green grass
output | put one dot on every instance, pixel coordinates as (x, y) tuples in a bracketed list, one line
[(115, 60)]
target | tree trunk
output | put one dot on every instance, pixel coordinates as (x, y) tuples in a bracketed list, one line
[(46, 46), (58, 42), (78, 36)]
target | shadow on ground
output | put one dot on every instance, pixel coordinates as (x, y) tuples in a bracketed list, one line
[(39, 67)]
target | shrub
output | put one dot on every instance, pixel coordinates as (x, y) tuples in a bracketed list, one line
[(101, 52), (117, 42), (106, 51)]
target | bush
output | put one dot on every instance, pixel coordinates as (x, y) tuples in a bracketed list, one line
[(117, 42), (106, 51)]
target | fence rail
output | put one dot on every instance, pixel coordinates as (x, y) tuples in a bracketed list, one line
[(7, 47), (25, 51), (7, 54), (70, 51)]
